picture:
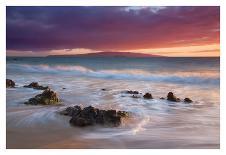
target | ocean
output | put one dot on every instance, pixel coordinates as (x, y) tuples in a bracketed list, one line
[(155, 123)]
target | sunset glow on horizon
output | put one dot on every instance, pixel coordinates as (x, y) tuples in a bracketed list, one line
[(164, 31)]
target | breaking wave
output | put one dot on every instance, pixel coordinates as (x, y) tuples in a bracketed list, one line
[(127, 74)]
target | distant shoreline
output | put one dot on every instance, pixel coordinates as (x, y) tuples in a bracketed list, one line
[(76, 56)]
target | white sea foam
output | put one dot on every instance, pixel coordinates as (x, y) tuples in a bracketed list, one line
[(123, 74)]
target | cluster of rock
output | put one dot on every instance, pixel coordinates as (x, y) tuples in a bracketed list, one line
[(92, 116), (170, 96), (35, 85), (10, 83), (88, 115), (79, 117), (136, 94), (47, 97), (173, 98), (132, 92)]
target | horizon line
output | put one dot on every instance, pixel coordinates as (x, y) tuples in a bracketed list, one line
[(117, 56)]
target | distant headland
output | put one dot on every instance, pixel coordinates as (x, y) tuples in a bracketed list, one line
[(110, 54)]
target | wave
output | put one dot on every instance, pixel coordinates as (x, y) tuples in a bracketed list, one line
[(126, 74)]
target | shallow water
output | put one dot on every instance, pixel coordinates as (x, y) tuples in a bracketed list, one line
[(155, 123)]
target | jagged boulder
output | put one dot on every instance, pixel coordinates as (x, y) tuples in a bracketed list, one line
[(47, 97), (92, 116), (10, 83), (35, 85), (172, 97)]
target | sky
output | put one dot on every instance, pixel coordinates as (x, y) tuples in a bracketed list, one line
[(167, 31)]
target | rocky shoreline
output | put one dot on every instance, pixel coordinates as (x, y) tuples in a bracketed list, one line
[(88, 116)]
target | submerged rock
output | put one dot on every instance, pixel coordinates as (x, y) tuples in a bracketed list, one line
[(188, 100), (132, 92), (47, 97), (172, 98), (91, 116), (148, 96), (162, 98), (10, 83), (35, 85)]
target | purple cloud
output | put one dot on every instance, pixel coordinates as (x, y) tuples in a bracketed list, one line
[(110, 28)]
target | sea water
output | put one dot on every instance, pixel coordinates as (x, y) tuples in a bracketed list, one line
[(155, 123)]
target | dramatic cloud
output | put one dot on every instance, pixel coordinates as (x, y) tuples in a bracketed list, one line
[(110, 28)]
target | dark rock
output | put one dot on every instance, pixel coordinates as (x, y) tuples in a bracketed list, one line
[(162, 98), (132, 92), (111, 118), (103, 89), (89, 113), (68, 111), (71, 111), (148, 96), (100, 117), (35, 85), (110, 113), (76, 111), (80, 121), (32, 85), (172, 98), (63, 88), (188, 100), (91, 116), (48, 97), (10, 83)]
